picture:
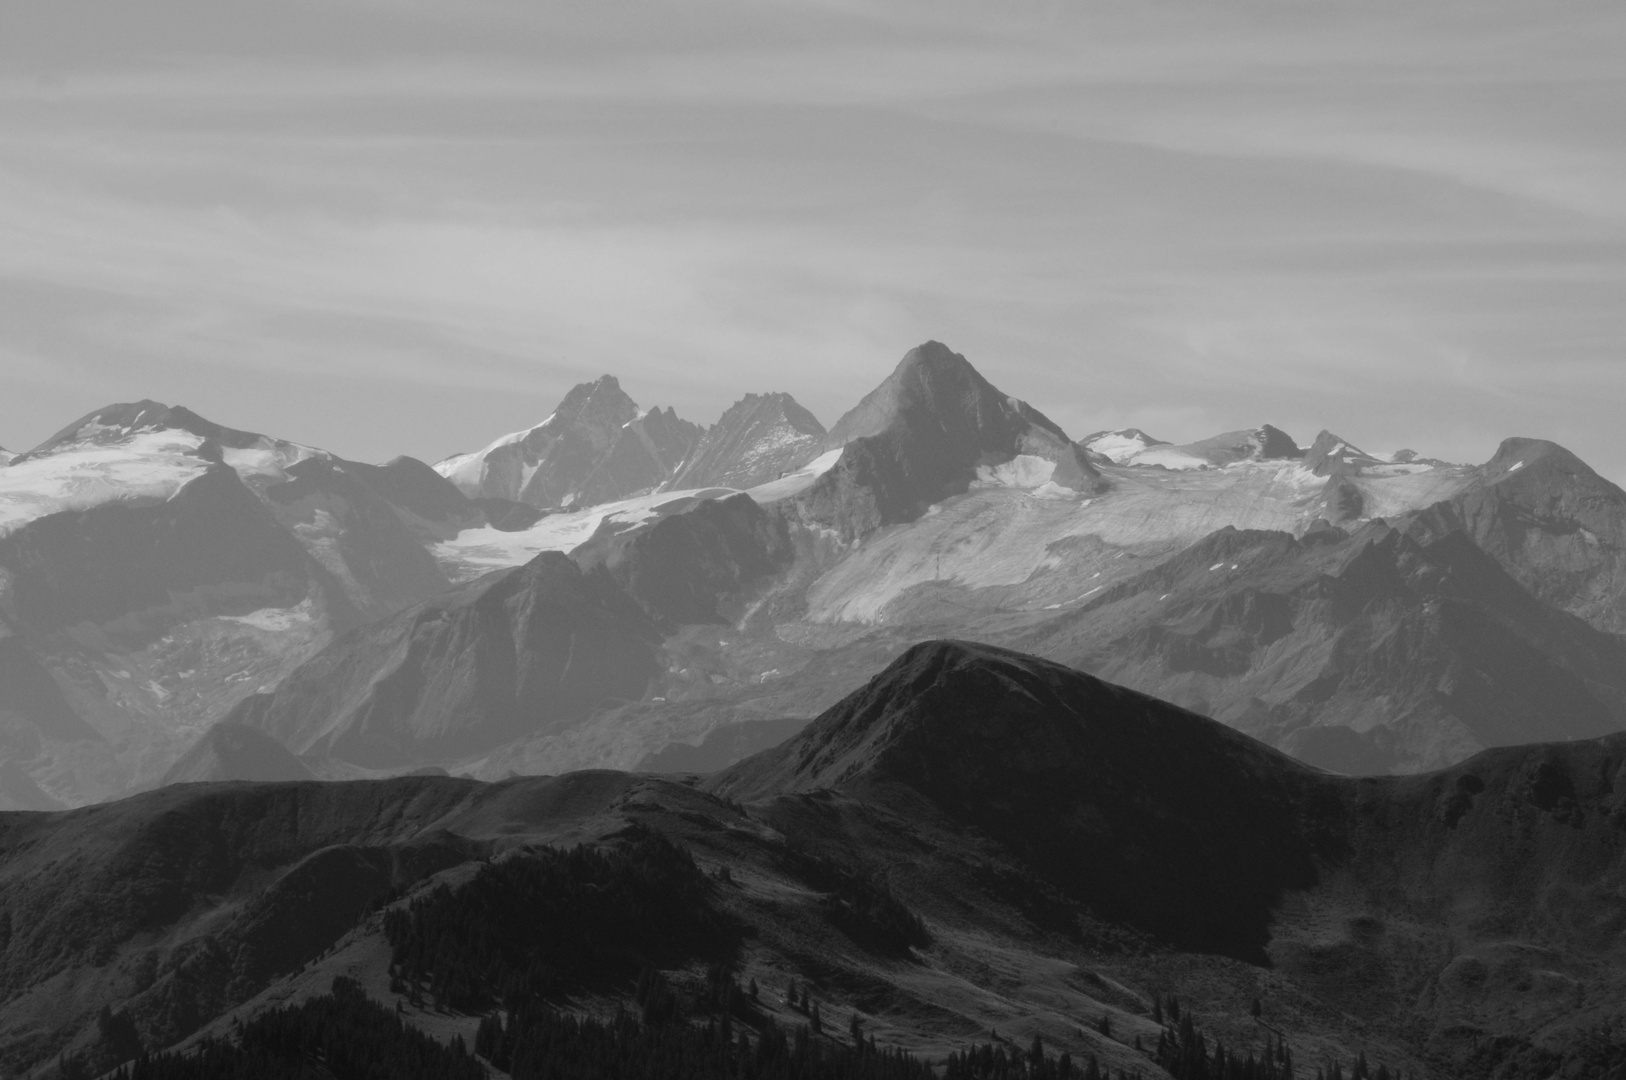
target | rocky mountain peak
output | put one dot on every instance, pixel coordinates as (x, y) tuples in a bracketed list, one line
[(597, 446), (930, 430), (1332, 455), (936, 386), (1276, 443), (600, 400), (760, 438)]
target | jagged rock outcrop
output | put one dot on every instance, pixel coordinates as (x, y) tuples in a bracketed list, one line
[(596, 447), (760, 438)]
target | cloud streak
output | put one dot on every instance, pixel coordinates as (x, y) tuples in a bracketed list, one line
[(417, 229)]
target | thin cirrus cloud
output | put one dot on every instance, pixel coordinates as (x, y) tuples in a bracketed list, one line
[(405, 226)]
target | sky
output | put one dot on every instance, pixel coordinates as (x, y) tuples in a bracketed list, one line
[(410, 226)]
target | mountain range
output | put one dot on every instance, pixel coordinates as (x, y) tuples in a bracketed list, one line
[(976, 737), (618, 587)]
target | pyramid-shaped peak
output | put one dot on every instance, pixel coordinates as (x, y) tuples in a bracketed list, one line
[(602, 396), (1332, 455), (779, 403), (937, 387), (944, 704)]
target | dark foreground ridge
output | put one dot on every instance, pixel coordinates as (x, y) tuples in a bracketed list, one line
[(969, 810), (1126, 799)]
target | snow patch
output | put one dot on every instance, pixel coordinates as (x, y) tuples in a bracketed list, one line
[(1169, 458), (277, 620), (146, 465), (477, 551), (798, 481), (1515, 467), (1117, 446), (266, 458), (1022, 471)]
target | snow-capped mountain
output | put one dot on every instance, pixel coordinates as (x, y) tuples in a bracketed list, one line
[(761, 437), (931, 430), (159, 569), (156, 567), (596, 447)]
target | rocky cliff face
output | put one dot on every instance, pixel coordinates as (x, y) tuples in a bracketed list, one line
[(760, 438)]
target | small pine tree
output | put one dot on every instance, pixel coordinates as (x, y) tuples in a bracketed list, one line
[(814, 1021), (1104, 1025), (1157, 1010), (1174, 1008), (1256, 1009), (855, 1030), (753, 990)]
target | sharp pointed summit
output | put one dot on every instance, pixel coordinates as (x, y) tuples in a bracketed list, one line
[(597, 446), (933, 428), (1331, 455)]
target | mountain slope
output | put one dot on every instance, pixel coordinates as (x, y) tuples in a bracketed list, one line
[(511, 654), (975, 840), (1364, 652), (1557, 526), (160, 567), (1020, 747)]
